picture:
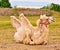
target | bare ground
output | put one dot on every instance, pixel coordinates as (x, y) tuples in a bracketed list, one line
[(7, 43), (15, 46)]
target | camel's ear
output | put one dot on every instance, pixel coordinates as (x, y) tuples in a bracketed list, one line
[(15, 22)]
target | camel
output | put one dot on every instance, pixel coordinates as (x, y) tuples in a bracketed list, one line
[(27, 33)]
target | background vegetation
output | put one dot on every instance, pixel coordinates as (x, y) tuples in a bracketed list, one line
[(5, 4), (52, 6)]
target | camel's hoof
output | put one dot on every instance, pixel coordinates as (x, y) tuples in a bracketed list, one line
[(45, 43), (31, 42)]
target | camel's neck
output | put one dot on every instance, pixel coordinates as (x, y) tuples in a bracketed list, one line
[(43, 28)]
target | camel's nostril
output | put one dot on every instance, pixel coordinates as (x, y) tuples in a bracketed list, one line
[(53, 19)]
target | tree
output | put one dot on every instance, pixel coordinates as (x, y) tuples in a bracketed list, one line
[(5, 4), (52, 6)]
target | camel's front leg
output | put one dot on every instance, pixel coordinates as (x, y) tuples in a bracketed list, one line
[(45, 41), (27, 39), (46, 37)]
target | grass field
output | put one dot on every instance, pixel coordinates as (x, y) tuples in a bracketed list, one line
[(7, 31)]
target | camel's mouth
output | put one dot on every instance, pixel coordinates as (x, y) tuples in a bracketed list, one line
[(51, 19)]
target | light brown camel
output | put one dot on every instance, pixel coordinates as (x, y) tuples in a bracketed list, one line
[(28, 34)]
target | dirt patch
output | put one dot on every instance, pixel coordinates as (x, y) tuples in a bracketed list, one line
[(55, 46)]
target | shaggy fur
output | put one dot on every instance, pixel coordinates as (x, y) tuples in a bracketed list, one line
[(29, 34)]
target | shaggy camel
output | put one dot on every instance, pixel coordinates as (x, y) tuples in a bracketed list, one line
[(28, 34)]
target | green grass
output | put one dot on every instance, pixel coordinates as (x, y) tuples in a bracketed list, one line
[(7, 30)]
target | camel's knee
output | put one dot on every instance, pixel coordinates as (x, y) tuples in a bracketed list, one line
[(26, 41)]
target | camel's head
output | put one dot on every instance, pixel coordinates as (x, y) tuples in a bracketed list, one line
[(46, 20)]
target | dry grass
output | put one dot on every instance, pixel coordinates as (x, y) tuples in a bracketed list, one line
[(7, 32)]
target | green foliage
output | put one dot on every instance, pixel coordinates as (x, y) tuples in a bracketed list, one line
[(5, 4), (52, 6)]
